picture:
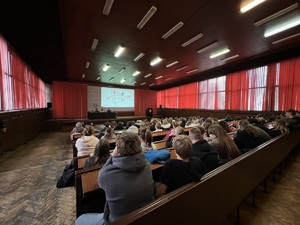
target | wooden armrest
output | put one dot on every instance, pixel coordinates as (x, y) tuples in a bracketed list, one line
[(80, 157), (90, 169)]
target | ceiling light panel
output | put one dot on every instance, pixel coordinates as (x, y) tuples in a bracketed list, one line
[(192, 71), (192, 40), (275, 15), (123, 81), (285, 39), (111, 79), (229, 58), (147, 17), (155, 61), (170, 78), (136, 73), (208, 47), (105, 67), (288, 24), (143, 83), (156, 78), (83, 76), (87, 64), (148, 75), (182, 68), (172, 64), (122, 70), (119, 51), (221, 52), (139, 57), (151, 85), (94, 44), (173, 30), (251, 5), (107, 7)]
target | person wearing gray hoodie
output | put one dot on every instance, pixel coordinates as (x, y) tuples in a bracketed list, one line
[(126, 179)]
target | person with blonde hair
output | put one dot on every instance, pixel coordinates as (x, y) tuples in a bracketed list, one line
[(180, 171), (222, 143), (87, 143), (78, 129), (126, 179), (249, 136)]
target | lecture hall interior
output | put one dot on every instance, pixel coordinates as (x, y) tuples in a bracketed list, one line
[(152, 65)]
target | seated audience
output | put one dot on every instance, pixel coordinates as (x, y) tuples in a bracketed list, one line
[(126, 179), (180, 171), (293, 122), (108, 133), (222, 143), (158, 127), (177, 131), (249, 136), (166, 125), (101, 154), (78, 129), (87, 143), (132, 128), (119, 126), (255, 122), (279, 127), (203, 150), (146, 139), (225, 126)]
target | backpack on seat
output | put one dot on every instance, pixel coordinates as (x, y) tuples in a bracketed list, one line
[(67, 179)]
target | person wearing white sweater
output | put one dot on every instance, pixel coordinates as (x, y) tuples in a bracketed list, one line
[(86, 144)]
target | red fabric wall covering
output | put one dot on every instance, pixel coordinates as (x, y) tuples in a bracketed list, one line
[(144, 99)]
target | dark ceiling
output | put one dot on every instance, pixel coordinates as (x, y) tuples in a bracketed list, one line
[(55, 37)]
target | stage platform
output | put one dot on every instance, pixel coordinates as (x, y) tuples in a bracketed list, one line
[(68, 124)]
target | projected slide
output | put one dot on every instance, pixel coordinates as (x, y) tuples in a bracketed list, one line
[(117, 98)]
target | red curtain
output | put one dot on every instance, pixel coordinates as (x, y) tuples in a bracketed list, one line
[(271, 87), (160, 98), (187, 97), (144, 99), (69, 100), (171, 98), (4, 78), (289, 84)]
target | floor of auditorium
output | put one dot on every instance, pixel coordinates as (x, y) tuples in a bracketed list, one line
[(29, 173)]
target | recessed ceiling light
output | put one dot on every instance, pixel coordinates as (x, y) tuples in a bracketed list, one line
[(123, 80), (122, 70), (155, 61), (136, 73), (210, 46), (172, 64), (148, 75), (87, 64), (275, 15), (151, 85), (286, 38), (192, 71), (98, 78), (107, 6), (182, 68), (156, 78), (221, 52), (228, 58), (139, 56), (288, 24), (192, 40), (105, 67), (119, 51), (147, 17), (133, 82), (173, 30), (143, 83), (94, 44), (170, 78), (83, 76), (251, 5)]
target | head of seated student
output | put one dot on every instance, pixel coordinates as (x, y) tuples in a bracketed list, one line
[(108, 133), (157, 125), (78, 128), (179, 130), (127, 144), (146, 137), (195, 134), (244, 125), (183, 147), (88, 130), (225, 126), (280, 124), (290, 113), (100, 155)]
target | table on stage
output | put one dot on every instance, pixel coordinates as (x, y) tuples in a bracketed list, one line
[(102, 115)]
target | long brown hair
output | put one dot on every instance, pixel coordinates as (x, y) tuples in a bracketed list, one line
[(249, 128), (102, 151), (146, 136), (227, 147)]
